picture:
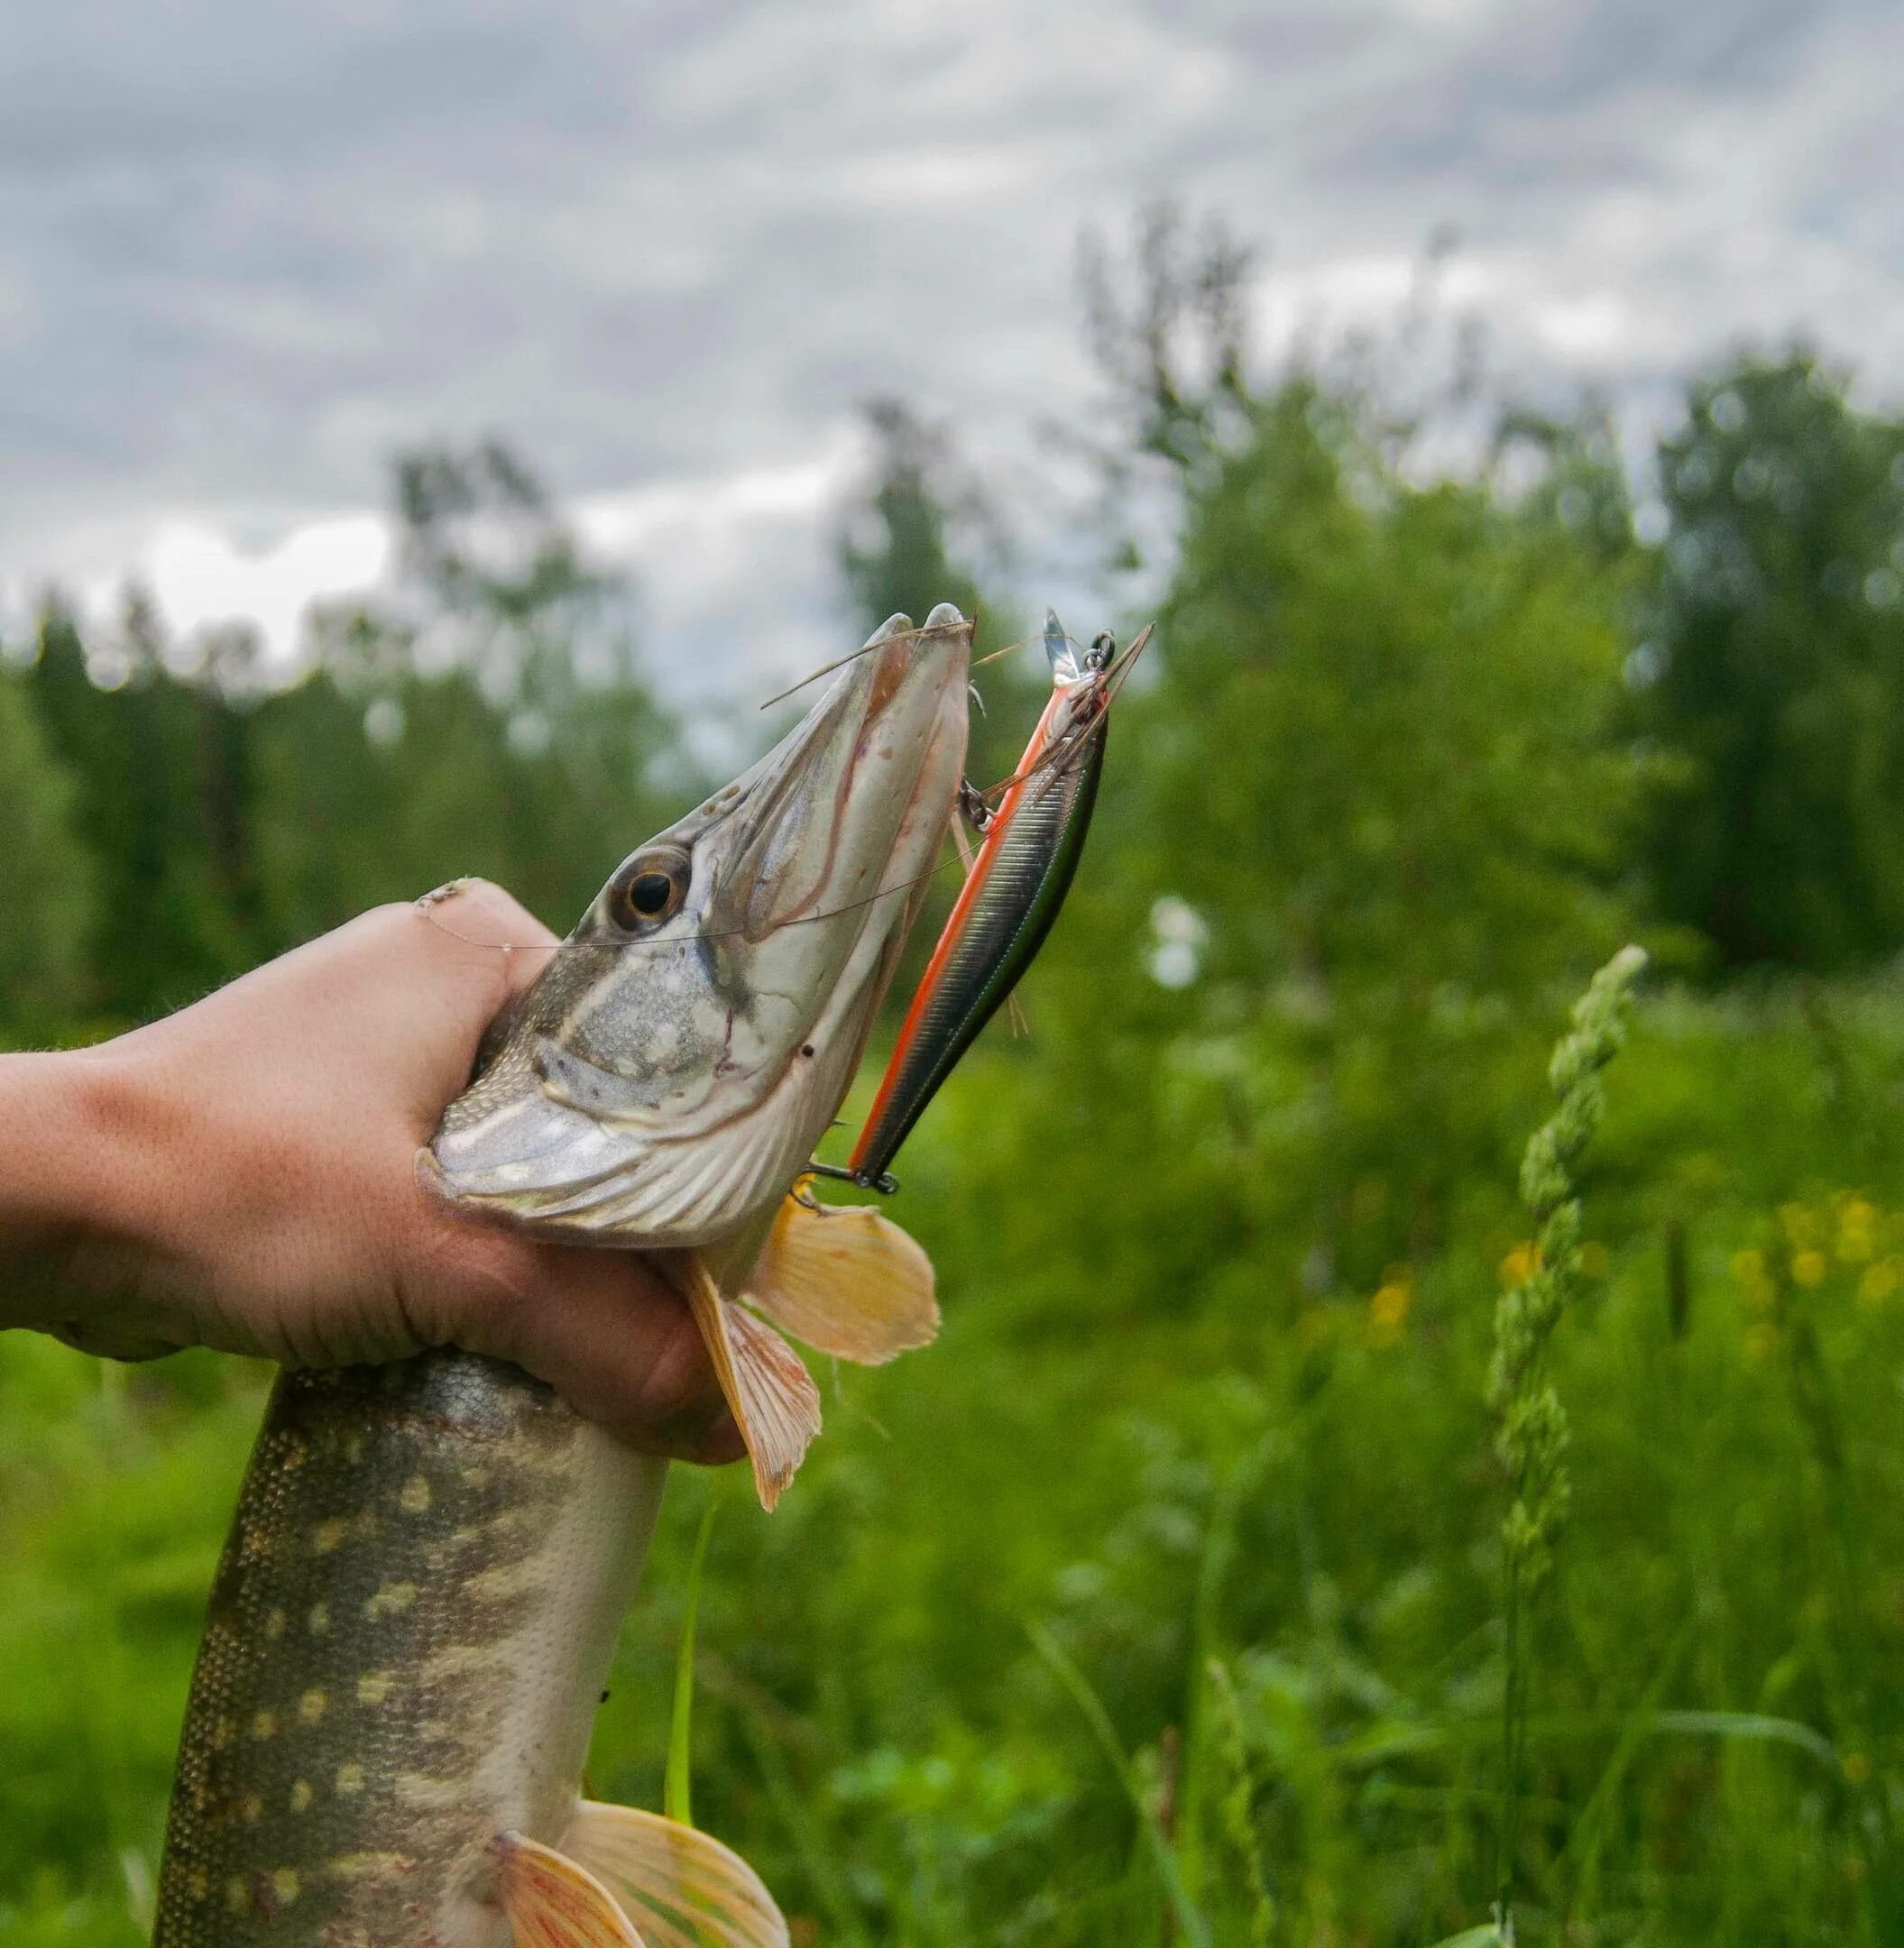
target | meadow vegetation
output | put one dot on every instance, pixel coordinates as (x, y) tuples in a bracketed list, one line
[(1166, 1598)]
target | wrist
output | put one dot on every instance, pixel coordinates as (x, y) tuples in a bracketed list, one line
[(63, 1166)]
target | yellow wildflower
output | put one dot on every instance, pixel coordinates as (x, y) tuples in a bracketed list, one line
[(1389, 1306), (1800, 1224), (1807, 1267), (1857, 1230), (1760, 1340), (1749, 1268), (1521, 1263), (1878, 1282)]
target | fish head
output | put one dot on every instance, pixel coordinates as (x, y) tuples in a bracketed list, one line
[(668, 1074)]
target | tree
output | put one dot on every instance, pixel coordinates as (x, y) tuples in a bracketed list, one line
[(916, 531), (46, 879), (1363, 828), (160, 804), (485, 714), (1775, 668)]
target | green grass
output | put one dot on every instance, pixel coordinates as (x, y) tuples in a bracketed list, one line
[(960, 1687)]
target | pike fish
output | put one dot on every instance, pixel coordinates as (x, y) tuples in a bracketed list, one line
[(430, 1560)]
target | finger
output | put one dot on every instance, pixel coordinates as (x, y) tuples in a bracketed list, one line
[(622, 1348), (609, 1334), (471, 951), (478, 925)]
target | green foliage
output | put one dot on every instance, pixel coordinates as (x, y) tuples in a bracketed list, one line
[(872, 1725), (1160, 1601), (918, 531), (900, 542), (46, 875), (158, 766), (1417, 683), (1364, 821), (486, 716), (1776, 669), (1238, 1810), (677, 1789)]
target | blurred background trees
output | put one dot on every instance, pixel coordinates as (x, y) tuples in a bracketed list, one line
[(1466, 698), (485, 714), (1414, 747), (47, 875), (1773, 669)]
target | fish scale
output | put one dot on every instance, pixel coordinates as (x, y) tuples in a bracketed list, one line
[(426, 1557)]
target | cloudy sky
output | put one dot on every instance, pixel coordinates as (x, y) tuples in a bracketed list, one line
[(247, 251)]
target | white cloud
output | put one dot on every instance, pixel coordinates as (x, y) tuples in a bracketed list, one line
[(670, 515), (732, 570), (1593, 329), (199, 577), (247, 254)]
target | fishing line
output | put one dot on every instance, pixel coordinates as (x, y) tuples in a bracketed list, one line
[(867, 648), (426, 907), (1111, 683), (879, 642)]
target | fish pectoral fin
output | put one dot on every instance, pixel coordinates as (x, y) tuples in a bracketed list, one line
[(775, 1402), (847, 1280), (686, 1890), (553, 1902)]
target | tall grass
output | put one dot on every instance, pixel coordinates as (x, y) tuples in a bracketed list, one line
[(1258, 1521), (1534, 1431)]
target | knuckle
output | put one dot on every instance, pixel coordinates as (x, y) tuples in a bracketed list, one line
[(481, 1282)]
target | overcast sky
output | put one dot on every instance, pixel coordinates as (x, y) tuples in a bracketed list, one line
[(247, 251)]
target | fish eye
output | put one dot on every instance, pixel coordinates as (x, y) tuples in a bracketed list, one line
[(648, 890)]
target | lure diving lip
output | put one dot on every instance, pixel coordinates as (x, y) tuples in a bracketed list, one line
[(1032, 845)]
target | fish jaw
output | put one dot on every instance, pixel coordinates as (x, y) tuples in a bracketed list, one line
[(664, 1090)]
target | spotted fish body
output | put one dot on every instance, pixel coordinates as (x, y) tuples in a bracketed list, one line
[(407, 1641), (430, 1560)]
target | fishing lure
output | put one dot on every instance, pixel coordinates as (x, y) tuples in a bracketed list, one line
[(1032, 844)]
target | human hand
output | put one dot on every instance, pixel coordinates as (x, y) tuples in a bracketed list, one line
[(243, 1176)]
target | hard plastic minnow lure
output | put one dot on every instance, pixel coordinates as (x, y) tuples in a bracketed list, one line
[(430, 1560), (1030, 851)]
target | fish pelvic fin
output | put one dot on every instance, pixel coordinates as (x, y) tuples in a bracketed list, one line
[(553, 1902), (773, 1398), (845, 1280), (683, 1889)]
